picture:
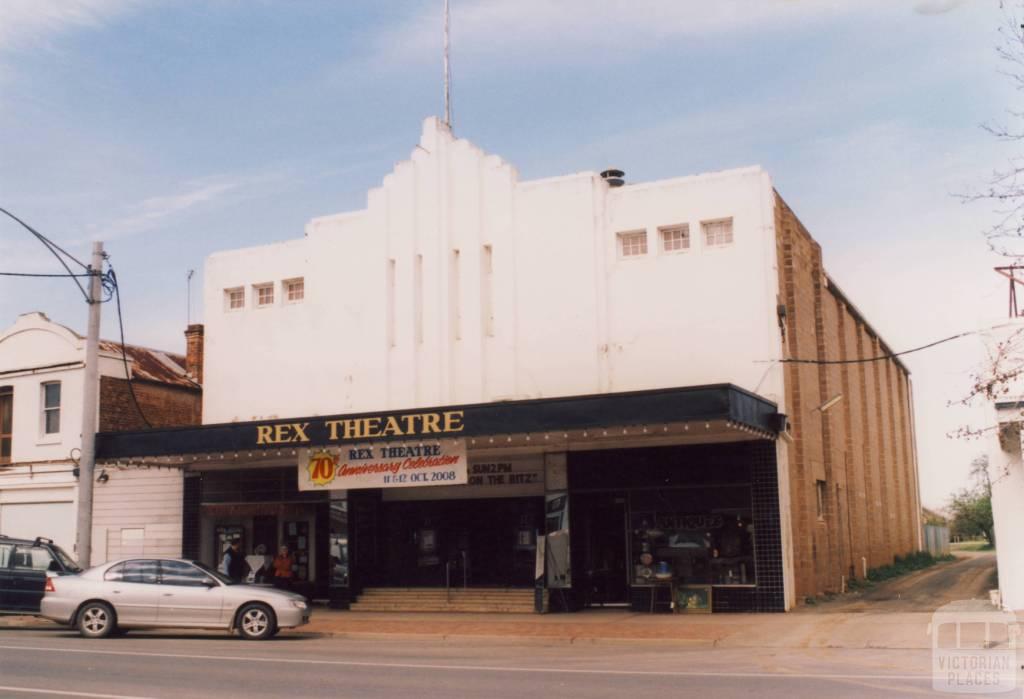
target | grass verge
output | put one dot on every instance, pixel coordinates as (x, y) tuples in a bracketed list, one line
[(901, 565)]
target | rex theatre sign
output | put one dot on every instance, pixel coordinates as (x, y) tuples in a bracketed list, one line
[(384, 465), (354, 429)]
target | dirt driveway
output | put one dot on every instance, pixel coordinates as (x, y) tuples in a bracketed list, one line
[(971, 576)]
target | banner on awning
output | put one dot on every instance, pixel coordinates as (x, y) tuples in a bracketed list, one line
[(387, 465)]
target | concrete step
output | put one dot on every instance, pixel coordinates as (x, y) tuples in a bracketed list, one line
[(457, 608), (442, 595), (428, 599)]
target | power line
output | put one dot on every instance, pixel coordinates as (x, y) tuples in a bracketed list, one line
[(35, 274), (57, 251), (110, 283), (890, 355)]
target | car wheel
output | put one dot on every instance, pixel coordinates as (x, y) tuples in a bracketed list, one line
[(256, 622), (96, 620)]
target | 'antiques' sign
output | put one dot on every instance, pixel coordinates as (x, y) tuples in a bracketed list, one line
[(384, 465)]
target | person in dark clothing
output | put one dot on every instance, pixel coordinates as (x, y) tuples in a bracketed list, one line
[(233, 565)]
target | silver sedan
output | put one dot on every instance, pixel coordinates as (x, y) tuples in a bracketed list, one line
[(168, 592)]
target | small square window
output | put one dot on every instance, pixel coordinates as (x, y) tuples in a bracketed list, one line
[(51, 407), (264, 294), (717, 233), (234, 299), (633, 244), (294, 290), (675, 238)]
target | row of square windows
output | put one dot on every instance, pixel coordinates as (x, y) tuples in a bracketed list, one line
[(263, 295), (676, 238)]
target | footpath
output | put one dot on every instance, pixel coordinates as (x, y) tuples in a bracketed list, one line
[(892, 615), (908, 630)]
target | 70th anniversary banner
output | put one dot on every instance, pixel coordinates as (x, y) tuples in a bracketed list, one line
[(387, 465)]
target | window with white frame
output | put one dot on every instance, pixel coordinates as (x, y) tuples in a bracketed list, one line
[(717, 233), (51, 407), (234, 299), (632, 243), (674, 238), (294, 290), (263, 294)]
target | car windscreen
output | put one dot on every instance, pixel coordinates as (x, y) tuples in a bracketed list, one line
[(66, 560), (213, 573)]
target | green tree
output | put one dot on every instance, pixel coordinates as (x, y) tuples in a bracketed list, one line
[(971, 508)]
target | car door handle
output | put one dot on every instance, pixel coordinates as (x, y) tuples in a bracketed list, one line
[(117, 592), (168, 594)]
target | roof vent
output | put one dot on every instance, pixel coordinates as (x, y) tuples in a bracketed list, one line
[(613, 177)]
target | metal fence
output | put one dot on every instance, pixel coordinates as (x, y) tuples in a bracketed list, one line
[(936, 539)]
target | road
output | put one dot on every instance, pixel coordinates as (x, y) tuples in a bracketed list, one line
[(55, 662), (970, 576)]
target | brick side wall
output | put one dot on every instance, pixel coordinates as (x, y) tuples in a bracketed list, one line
[(860, 447), (163, 405)]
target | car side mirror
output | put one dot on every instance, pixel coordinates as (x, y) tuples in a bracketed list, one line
[(209, 582)]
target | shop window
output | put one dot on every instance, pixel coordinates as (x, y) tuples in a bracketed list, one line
[(717, 233), (632, 244), (294, 290), (234, 299), (51, 407), (693, 537), (675, 238), (263, 294), (821, 495), (6, 423)]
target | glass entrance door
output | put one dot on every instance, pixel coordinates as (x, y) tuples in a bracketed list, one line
[(600, 555)]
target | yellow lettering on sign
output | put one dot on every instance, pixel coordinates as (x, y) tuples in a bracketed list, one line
[(371, 426), (430, 423), (410, 423), (392, 427), (264, 434), (282, 433), (300, 431), (352, 429), (453, 421), (332, 425)]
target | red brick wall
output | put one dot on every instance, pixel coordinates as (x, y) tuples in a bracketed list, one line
[(163, 405), (861, 446)]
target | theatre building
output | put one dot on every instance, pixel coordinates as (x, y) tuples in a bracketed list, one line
[(486, 393)]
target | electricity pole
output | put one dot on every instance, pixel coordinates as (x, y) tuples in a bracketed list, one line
[(90, 405)]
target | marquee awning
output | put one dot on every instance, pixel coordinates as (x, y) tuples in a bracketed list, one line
[(722, 402)]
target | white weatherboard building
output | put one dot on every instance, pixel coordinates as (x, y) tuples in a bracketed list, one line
[(603, 365), (42, 373)]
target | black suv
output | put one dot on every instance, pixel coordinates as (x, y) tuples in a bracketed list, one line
[(24, 565)]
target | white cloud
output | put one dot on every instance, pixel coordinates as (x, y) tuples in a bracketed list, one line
[(29, 22), (157, 210)]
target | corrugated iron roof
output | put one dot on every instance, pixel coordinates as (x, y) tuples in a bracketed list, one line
[(152, 365)]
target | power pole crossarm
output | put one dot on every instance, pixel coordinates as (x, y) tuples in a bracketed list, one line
[(90, 408)]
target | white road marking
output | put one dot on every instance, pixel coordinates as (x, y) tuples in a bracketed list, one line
[(60, 693), (476, 668)]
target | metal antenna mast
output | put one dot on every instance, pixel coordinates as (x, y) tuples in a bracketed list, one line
[(188, 301), (447, 70)]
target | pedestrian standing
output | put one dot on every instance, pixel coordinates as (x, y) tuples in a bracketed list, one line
[(284, 565), (233, 564)]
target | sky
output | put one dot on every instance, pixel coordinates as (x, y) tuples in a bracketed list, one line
[(171, 129)]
